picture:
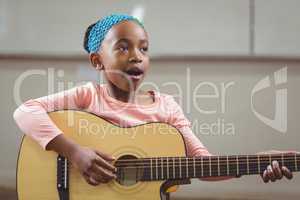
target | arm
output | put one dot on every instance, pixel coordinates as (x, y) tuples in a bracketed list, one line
[(32, 117)]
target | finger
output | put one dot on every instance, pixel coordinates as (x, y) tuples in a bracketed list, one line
[(270, 173), (286, 172), (96, 177), (102, 173), (105, 156), (93, 182), (265, 177), (276, 169), (107, 174), (96, 169), (95, 172), (90, 180), (103, 163), (99, 178)]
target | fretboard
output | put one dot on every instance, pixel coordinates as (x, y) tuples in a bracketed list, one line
[(163, 168)]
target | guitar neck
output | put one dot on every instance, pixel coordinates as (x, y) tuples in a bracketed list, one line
[(163, 168)]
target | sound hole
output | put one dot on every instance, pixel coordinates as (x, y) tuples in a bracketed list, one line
[(128, 170)]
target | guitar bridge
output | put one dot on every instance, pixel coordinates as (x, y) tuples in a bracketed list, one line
[(62, 178)]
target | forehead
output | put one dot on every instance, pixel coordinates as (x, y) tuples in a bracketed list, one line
[(126, 29)]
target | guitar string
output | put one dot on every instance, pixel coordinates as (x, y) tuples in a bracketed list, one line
[(252, 157), (207, 164), (212, 173), (205, 173)]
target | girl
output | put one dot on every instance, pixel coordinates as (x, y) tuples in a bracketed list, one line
[(118, 46)]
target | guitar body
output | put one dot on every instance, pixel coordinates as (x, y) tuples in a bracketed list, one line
[(36, 171)]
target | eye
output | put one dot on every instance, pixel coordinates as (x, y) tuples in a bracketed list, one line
[(144, 49), (123, 48)]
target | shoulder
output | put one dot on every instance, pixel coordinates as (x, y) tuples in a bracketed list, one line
[(175, 112), (168, 100), (84, 94), (89, 88)]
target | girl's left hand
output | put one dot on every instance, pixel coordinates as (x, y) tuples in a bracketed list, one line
[(273, 171)]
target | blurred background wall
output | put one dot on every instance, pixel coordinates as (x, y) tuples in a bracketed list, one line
[(222, 49)]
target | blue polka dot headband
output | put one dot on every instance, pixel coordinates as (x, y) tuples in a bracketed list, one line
[(100, 29)]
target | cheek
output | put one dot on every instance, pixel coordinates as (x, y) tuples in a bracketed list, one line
[(118, 78), (146, 64), (113, 60)]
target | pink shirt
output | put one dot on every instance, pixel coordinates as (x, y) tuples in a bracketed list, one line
[(33, 120)]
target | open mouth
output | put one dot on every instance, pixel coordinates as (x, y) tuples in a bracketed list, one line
[(135, 73)]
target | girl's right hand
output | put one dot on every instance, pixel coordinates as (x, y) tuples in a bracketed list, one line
[(95, 166)]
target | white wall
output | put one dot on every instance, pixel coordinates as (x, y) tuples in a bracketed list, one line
[(175, 27), (277, 28), (195, 27)]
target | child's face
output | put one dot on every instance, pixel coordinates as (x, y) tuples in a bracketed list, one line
[(124, 55)]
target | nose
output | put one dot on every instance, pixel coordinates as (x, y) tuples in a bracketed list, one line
[(135, 57)]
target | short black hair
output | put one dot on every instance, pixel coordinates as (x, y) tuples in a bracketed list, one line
[(86, 37)]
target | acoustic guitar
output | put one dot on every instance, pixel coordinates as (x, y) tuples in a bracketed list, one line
[(150, 160)]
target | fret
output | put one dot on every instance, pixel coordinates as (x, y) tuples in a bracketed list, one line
[(174, 175), (151, 170), (223, 167), (183, 167), (297, 161), (146, 173), (141, 174), (194, 164), (252, 164), (296, 164), (264, 162), (156, 167), (168, 175), (162, 167), (180, 173), (289, 162), (242, 165), (258, 164), (187, 167), (227, 161), (202, 166), (232, 165), (177, 167), (137, 174), (248, 165), (218, 165), (206, 166), (209, 158), (214, 163), (237, 165)]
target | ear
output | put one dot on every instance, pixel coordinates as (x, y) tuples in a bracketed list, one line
[(95, 60)]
